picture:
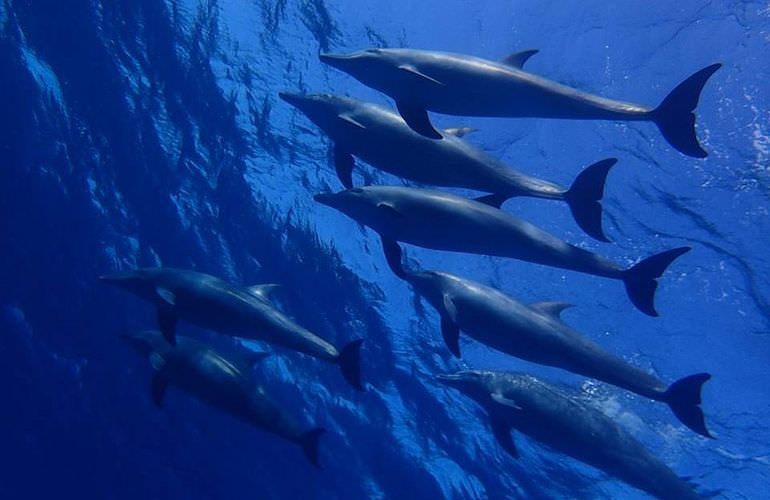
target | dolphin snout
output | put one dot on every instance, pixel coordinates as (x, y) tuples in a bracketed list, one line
[(291, 98), (324, 198), (115, 278), (446, 378)]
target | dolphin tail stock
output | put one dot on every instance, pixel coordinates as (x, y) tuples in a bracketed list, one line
[(684, 398), (309, 442), (675, 118), (349, 360), (585, 194), (641, 279)]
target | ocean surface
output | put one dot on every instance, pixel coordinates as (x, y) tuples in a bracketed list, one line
[(150, 132)]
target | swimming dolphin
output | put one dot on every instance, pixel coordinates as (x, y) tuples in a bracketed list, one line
[(443, 221), (536, 333), (384, 140), (454, 84), (212, 303), (568, 424), (224, 382)]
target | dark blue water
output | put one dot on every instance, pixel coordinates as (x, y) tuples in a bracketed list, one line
[(150, 132)]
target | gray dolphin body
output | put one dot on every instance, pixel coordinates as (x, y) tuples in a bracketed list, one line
[(569, 425), (224, 382), (442, 221), (536, 333), (212, 303), (383, 139), (455, 84)]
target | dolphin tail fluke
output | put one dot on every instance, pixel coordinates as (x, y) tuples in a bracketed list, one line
[(584, 195), (684, 398), (350, 363), (309, 443), (641, 280), (675, 117)]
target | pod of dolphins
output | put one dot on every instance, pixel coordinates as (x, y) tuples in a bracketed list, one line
[(407, 145)]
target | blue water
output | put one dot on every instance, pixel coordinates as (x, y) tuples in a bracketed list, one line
[(150, 132)]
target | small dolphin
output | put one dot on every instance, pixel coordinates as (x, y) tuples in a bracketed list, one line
[(536, 333), (443, 221), (454, 84), (383, 139), (212, 303), (568, 424), (224, 382)]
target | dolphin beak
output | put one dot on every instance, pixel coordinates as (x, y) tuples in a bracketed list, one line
[(336, 60), (324, 198), (293, 99), (447, 378), (115, 279)]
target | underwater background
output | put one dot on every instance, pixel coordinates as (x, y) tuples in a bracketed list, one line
[(150, 132)]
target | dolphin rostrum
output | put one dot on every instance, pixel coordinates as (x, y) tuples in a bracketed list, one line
[(212, 303), (381, 138), (568, 424), (455, 84), (443, 221), (224, 382), (536, 333)]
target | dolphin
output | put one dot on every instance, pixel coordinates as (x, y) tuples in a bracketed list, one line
[(224, 382), (212, 303), (383, 139), (536, 333), (568, 424), (455, 84), (443, 221)]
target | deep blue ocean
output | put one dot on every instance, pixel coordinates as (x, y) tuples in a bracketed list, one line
[(150, 132)]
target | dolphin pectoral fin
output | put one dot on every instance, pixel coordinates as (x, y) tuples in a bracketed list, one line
[(264, 291), (167, 324), (159, 385), (390, 210), (393, 256), (351, 121), (552, 309), (459, 131), (343, 164), (412, 70), (500, 399), (517, 59), (167, 295), (493, 200), (417, 119), (449, 328), (502, 432)]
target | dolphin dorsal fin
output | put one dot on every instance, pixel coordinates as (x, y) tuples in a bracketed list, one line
[(411, 69), (263, 292), (552, 309), (517, 59), (459, 131), (350, 120), (167, 295)]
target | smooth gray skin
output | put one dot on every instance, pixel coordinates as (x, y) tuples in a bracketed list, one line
[(532, 332), (382, 138), (215, 304), (443, 221), (457, 84), (224, 382), (569, 425)]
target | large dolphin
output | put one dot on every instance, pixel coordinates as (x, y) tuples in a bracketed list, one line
[(536, 333), (443, 221), (224, 382), (212, 303), (568, 424), (382, 138), (454, 84)]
